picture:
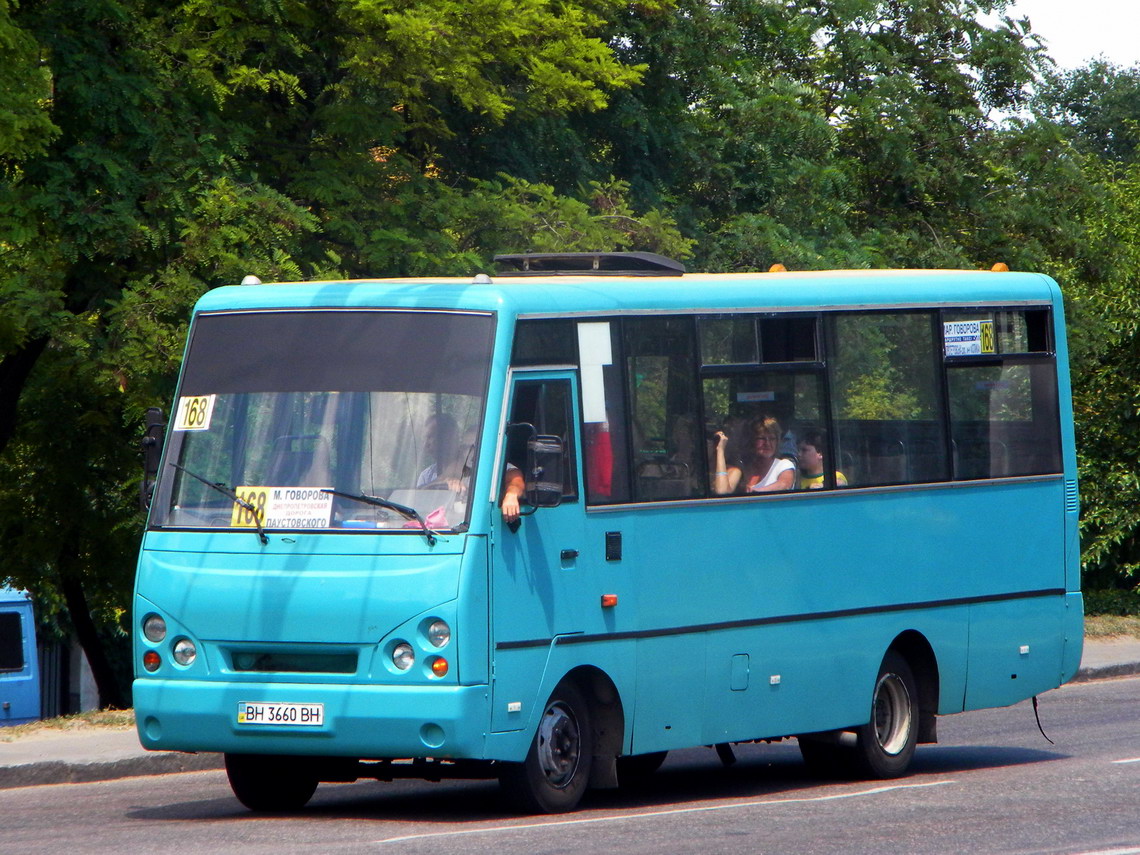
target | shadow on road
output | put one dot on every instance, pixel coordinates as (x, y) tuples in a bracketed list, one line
[(688, 779)]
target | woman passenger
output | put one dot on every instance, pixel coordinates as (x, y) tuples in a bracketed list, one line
[(762, 471)]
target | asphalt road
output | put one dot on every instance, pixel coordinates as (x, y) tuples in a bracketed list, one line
[(992, 785)]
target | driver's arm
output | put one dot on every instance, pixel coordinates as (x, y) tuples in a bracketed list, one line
[(513, 486)]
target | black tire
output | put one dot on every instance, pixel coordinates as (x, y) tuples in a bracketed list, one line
[(885, 745), (554, 775), (270, 783), (633, 769)]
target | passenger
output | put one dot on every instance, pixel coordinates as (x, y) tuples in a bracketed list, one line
[(722, 482), (763, 471), (811, 449)]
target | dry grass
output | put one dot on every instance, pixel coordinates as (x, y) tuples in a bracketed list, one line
[(1112, 626), (120, 719)]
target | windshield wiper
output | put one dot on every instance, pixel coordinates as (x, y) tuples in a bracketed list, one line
[(409, 513), (232, 496)]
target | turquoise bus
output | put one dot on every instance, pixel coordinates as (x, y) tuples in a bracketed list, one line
[(328, 588)]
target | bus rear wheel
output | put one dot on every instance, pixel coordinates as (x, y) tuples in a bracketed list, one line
[(554, 775), (885, 745), (270, 783)]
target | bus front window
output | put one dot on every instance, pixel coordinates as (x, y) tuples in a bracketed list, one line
[(281, 407)]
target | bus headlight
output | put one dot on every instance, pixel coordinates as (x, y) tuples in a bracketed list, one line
[(184, 651), (439, 633), (403, 657), (154, 628)]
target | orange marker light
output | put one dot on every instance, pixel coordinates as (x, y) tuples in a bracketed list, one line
[(439, 667), (609, 601), (151, 660)]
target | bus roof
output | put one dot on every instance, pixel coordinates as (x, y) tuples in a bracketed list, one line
[(693, 292)]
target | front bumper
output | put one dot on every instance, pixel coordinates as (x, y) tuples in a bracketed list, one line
[(366, 722)]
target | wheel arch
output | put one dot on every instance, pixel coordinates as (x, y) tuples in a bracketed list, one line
[(916, 649), (607, 722)]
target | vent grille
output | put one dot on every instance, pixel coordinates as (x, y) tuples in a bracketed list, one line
[(1072, 504), (284, 662)]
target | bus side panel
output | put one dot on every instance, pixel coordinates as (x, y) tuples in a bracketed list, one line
[(1016, 651), (797, 599), (1074, 635), (515, 687), (666, 708), (785, 679)]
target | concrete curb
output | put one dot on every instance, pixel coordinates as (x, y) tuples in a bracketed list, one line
[(1107, 672), (65, 772)]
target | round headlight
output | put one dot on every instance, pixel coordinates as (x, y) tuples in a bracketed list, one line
[(154, 628), (403, 657), (184, 651), (439, 633)]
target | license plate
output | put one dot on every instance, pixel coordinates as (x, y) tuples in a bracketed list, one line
[(294, 715)]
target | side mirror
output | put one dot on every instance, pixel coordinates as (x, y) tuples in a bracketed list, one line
[(544, 462), (152, 441)]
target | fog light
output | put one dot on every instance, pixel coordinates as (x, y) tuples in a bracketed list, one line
[(439, 666), (154, 628), (403, 656), (184, 651), (151, 660), (439, 633)]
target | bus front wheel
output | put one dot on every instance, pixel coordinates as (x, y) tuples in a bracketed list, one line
[(556, 771), (270, 783), (885, 745)]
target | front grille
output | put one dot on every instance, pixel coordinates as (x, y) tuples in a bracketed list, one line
[(277, 662)]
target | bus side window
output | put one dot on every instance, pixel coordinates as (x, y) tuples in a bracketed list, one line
[(886, 397), (668, 451), (1004, 417)]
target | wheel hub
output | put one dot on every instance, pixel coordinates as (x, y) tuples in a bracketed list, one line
[(892, 714), (559, 745)]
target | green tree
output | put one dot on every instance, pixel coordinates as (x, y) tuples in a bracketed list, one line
[(152, 150)]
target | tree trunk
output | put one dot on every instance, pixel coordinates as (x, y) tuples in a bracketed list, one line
[(14, 370), (110, 693)]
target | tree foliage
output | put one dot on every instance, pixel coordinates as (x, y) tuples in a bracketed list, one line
[(152, 150)]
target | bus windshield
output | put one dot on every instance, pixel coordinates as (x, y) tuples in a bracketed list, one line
[(279, 408)]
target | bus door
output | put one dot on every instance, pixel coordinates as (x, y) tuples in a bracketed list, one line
[(538, 573)]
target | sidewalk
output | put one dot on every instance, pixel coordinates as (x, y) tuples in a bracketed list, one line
[(101, 754)]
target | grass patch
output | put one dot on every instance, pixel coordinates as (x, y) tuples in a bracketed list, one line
[(79, 721), (1112, 626)]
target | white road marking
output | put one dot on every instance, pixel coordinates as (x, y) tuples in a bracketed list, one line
[(1132, 851), (674, 812), (1129, 760)]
